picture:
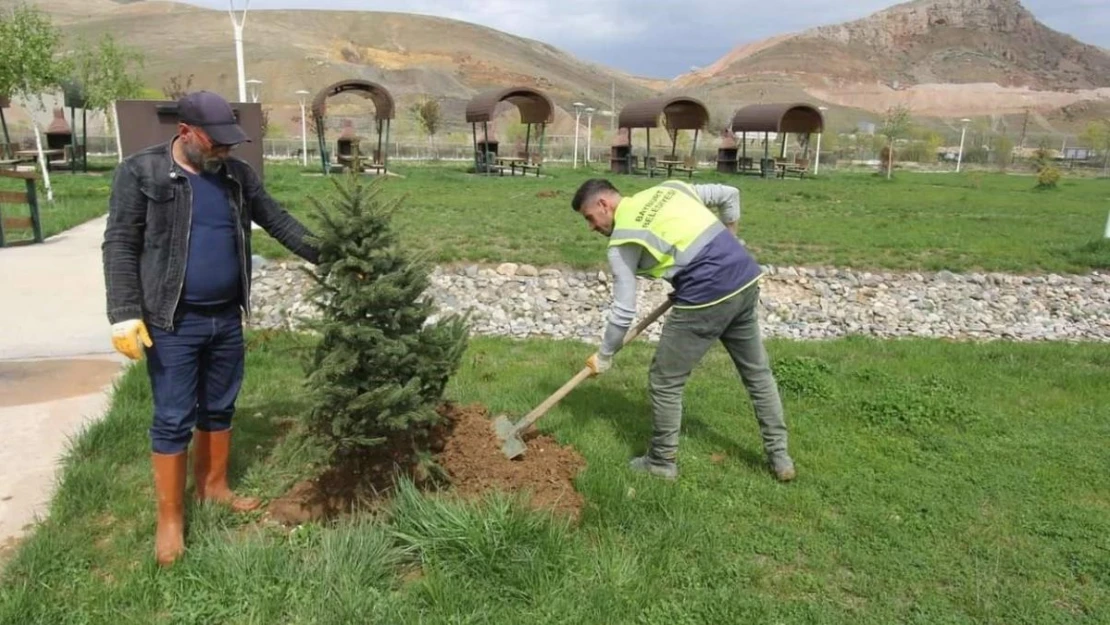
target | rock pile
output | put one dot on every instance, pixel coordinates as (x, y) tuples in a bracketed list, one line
[(798, 303)]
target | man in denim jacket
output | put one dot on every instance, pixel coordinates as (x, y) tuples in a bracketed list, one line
[(176, 256)]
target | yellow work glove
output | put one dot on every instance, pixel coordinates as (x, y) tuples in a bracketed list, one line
[(126, 336), (599, 364)]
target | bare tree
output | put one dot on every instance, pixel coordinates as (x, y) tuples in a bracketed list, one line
[(177, 86)]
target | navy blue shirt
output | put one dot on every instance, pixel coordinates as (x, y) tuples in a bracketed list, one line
[(212, 273)]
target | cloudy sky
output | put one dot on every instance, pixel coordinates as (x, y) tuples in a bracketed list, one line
[(663, 38)]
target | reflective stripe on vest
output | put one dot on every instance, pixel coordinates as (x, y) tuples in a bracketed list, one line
[(677, 230)]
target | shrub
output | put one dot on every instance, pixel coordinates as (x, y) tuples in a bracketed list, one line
[(1047, 177)]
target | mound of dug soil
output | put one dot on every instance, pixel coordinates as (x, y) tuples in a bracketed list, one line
[(468, 452)]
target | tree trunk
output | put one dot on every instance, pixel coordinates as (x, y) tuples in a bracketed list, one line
[(113, 119), (890, 160), (42, 163)]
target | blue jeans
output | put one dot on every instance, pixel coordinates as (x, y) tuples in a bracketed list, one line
[(195, 372)]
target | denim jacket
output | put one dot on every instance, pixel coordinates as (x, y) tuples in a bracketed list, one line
[(146, 241)]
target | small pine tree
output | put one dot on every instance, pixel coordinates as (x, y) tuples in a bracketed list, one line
[(380, 368)]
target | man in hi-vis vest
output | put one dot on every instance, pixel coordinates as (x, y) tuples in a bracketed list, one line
[(668, 232)]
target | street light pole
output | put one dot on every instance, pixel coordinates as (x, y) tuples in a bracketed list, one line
[(303, 95), (237, 25), (963, 133), (254, 83), (817, 162), (589, 132), (577, 115)]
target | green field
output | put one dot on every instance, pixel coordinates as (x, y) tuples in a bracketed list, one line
[(938, 483), (959, 222)]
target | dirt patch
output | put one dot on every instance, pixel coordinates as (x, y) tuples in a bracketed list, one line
[(467, 462), (8, 547), (25, 382)]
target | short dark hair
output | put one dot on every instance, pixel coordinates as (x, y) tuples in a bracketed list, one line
[(589, 189)]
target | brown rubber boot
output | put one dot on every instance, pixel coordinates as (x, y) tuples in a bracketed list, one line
[(210, 457), (169, 490)]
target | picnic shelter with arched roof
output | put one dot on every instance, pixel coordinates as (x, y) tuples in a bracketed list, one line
[(781, 118), (677, 112), (384, 110), (535, 108)]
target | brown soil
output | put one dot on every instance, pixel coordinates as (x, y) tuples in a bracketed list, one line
[(467, 454)]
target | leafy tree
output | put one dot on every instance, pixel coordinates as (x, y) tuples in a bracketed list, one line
[(1003, 151), (107, 72), (381, 365), (1097, 137), (896, 124), (428, 117), (29, 63)]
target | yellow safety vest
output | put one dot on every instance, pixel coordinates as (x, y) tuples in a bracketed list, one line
[(670, 222)]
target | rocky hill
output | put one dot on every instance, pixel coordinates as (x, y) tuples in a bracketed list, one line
[(940, 57), (411, 55), (945, 59)]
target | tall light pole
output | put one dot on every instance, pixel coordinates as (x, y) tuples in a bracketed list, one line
[(303, 96), (255, 89), (589, 132), (577, 115), (237, 25), (817, 163), (963, 132)]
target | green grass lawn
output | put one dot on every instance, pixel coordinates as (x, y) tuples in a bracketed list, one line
[(77, 199), (993, 222), (938, 483)]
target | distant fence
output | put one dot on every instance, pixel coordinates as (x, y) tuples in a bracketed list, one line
[(560, 149)]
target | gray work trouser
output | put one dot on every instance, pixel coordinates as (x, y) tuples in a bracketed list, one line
[(687, 334)]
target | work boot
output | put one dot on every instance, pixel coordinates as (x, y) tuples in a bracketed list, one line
[(666, 469), (783, 467), (210, 457), (169, 491)]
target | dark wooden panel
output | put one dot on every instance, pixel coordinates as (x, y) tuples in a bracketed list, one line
[(12, 223), (144, 123), (13, 197), (22, 175)]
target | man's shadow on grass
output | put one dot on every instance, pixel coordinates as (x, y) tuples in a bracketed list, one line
[(629, 418), (257, 428)]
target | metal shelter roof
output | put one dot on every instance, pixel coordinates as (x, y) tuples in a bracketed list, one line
[(534, 106), (383, 100), (682, 113), (794, 117)]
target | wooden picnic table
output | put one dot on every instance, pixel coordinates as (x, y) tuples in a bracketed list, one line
[(514, 162)]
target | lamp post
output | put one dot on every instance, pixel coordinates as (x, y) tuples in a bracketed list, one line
[(817, 162), (254, 83), (303, 96), (578, 106), (589, 132), (237, 25), (963, 132)]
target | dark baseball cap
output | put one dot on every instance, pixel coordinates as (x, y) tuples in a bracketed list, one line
[(213, 114)]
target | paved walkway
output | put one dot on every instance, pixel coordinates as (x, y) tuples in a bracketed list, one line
[(56, 363)]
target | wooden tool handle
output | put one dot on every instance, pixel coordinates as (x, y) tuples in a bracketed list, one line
[(540, 410), (647, 321)]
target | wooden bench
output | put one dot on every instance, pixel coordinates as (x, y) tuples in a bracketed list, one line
[(27, 198), (799, 168), (689, 166), (482, 166)]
